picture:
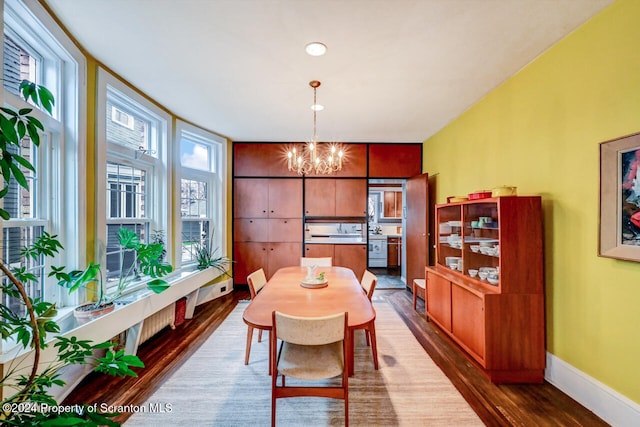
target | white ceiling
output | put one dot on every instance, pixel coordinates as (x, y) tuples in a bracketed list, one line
[(395, 70)]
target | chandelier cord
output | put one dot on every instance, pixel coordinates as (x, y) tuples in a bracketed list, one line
[(315, 109)]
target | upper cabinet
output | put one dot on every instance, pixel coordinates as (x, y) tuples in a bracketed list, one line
[(384, 160), (392, 204), (335, 197), (260, 159), (267, 198), (395, 160)]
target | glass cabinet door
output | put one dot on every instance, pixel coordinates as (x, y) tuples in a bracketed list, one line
[(450, 237), (481, 244)]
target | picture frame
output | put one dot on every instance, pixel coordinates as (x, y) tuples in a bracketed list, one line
[(619, 216)]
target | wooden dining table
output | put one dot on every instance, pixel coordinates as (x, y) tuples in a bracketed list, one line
[(284, 293)]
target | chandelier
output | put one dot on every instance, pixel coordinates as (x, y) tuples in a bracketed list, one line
[(316, 157)]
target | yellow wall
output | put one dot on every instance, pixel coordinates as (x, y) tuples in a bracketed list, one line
[(540, 131)]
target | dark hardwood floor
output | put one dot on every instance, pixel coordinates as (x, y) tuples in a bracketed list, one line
[(496, 405)]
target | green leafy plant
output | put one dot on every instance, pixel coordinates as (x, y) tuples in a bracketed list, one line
[(149, 261), (206, 257), (33, 322), (14, 126)]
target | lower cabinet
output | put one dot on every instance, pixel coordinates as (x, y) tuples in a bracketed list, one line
[(268, 243), (394, 251), (467, 321), (439, 301), (503, 333), (250, 256), (350, 256)]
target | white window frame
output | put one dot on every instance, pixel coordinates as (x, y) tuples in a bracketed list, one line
[(63, 71), (217, 186), (156, 162)]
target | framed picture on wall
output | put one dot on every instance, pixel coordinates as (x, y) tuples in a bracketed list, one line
[(620, 198)]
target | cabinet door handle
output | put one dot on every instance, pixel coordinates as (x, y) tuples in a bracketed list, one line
[(285, 221), (250, 221)]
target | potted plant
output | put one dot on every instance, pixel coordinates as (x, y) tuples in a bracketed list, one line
[(206, 257), (27, 386), (149, 260)]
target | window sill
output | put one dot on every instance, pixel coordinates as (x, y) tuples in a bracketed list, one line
[(138, 305)]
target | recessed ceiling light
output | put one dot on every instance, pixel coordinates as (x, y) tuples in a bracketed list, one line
[(316, 49)]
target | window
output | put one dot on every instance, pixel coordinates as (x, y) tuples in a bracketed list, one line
[(121, 118), (202, 200), (35, 48), (135, 168)]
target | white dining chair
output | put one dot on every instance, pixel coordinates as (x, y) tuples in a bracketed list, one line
[(368, 283), (256, 281), (320, 262), (312, 349)]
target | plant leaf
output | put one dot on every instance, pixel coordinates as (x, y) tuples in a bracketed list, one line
[(128, 239), (24, 162), (19, 176), (8, 130), (157, 285), (46, 99)]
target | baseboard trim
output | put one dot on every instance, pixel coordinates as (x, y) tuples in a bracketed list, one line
[(606, 403), (213, 291)]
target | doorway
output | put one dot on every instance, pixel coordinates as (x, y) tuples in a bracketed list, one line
[(386, 220)]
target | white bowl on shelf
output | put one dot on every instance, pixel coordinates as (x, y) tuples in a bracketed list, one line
[(483, 275), (473, 273), (475, 248), (492, 280)]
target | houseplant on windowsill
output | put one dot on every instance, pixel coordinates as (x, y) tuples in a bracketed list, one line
[(148, 261), (27, 382), (206, 257)]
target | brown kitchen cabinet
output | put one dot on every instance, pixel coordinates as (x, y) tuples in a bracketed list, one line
[(319, 250), (270, 256), (335, 197), (352, 256), (394, 252), (395, 160), (260, 159), (501, 324), (267, 198), (392, 204), (267, 225)]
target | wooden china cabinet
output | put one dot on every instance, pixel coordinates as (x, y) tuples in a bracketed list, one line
[(498, 319)]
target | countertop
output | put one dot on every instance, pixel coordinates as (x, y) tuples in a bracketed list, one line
[(336, 240), (382, 236)]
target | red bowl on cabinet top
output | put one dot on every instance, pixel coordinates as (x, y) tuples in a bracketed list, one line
[(480, 195)]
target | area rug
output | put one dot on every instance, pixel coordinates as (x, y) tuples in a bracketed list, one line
[(215, 388)]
